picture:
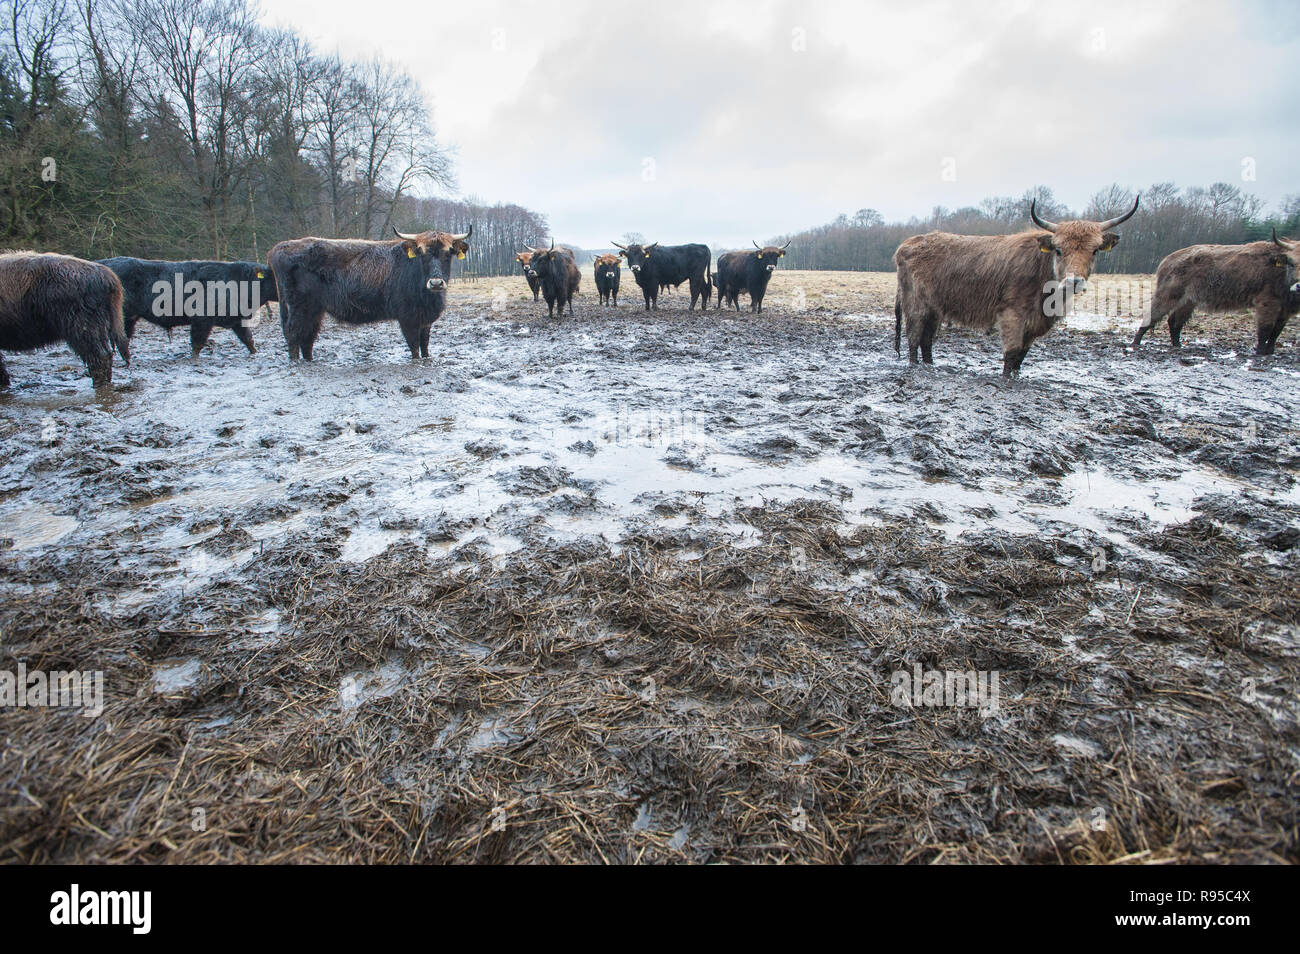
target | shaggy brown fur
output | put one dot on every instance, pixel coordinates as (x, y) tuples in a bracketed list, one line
[(45, 299), (1014, 281), (1226, 278)]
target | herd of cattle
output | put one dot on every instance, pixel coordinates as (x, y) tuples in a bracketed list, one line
[(1020, 283)]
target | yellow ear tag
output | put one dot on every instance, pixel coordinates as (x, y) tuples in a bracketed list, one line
[(460, 254), (410, 253), (782, 255), (760, 256), (261, 274)]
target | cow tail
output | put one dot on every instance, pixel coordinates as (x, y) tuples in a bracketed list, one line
[(898, 323), (116, 329)]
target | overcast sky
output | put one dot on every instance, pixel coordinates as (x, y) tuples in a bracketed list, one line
[(722, 121)]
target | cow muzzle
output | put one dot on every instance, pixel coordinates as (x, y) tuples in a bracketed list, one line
[(435, 284), (1075, 284)]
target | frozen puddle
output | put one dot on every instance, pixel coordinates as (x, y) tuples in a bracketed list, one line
[(177, 675), (35, 527)]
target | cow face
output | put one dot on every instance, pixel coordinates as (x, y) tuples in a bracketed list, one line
[(423, 261), (1073, 245), (608, 265), (638, 256), (445, 245), (768, 256), (548, 263), (524, 259)]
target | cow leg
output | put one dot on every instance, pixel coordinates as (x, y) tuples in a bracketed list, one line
[(245, 334), (4, 375), (200, 331), (1276, 332), (1177, 318), (411, 332), (1014, 344), (89, 340), (424, 340), (928, 330), (128, 323), (302, 335)]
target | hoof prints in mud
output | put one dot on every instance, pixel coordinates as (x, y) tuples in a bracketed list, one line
[(640, 594)]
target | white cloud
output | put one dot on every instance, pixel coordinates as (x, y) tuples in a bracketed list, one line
[(765, 117)]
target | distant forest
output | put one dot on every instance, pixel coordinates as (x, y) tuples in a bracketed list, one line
[(1168, 218), (183, 129)]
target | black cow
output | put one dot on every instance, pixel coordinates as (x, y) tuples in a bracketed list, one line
[(747, 272), (200, 294), (559, 277), (359, 282), (654, 266), (608, 268), (50, 298)]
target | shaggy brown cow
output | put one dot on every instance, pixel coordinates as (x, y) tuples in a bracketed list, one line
[(49, 298), (1260, 275), (1021, 283), (524, 259)]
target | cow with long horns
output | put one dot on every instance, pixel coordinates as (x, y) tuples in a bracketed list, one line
[(654, 266), (444, 245), (1218, 278), (747, 272), (1021, 283), (558, 275), (359, 282)]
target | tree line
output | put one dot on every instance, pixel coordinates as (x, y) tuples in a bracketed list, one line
[(1168, 218), (184, 129)]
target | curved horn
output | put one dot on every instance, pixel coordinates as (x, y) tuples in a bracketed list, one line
[(652, 245), (623, 247), (463, 235), (1111, 223), (1041, 223), (1281, 243), (786, 245), (757, 246), (552, 243), (402, 235), (531, 249)]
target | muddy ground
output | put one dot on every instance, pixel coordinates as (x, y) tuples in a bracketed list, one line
[(630, 588)]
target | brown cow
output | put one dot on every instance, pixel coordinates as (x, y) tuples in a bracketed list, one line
[(50, 298), (1259, 275), (1021, 283), (524, 259)]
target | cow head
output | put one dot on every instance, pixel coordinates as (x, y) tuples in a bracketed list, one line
[(445, 245), (1288, 258), (547, 261), (768, 255), (524, 259), (608, 265), (1073, 245), (422, 255), (638, 256)]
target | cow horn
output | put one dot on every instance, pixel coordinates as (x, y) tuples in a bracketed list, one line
[(463, 235), (1111, 223), (552, 243), (1041, 223), (531, 249), (403, 235), (1281, 243), (786, 245), (757, 246), (623, 247), (652, 245)]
